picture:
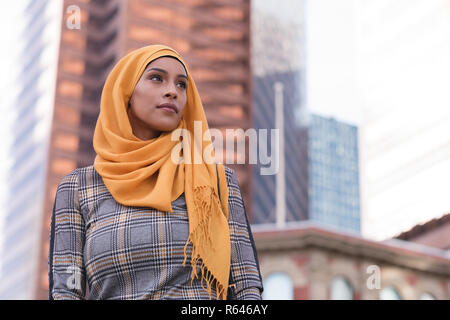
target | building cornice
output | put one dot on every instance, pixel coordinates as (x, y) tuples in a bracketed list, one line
[(397, 252)]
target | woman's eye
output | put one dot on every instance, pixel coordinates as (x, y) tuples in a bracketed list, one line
[(183, 84), (155, 76)]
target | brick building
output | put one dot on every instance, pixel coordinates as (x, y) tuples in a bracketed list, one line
[(306, 261), (434, 233)]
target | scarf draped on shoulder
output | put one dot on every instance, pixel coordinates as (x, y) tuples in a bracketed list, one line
[(143, 173)]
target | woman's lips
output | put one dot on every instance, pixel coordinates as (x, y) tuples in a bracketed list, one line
[(167, 109)]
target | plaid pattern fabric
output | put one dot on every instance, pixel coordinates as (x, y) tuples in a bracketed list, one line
[(100, 249)]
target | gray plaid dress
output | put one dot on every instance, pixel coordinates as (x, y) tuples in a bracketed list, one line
[(100, 249)]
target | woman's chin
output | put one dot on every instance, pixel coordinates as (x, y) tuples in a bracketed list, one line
[(166, 127)]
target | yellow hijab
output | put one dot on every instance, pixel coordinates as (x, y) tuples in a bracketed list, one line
[(142, 173)]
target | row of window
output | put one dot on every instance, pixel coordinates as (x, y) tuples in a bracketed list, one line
[(331, 162), (330, 210), (324, 173), (334, 152), (332, 203), (279, 286)]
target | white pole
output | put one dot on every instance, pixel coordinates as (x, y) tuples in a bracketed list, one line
[(280, 177)]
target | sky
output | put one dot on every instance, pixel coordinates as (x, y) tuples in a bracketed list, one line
[(404, 73), (384, 66), (331, 59), (330, 53)]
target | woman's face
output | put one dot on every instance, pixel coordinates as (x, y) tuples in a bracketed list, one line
[(164, 81)]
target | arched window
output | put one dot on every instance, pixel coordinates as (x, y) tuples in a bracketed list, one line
[(427, 296), (278, 286), (389, 293), (341, 289)]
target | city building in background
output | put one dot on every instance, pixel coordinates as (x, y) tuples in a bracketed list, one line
[(33, 81), (308, 261), (434, 233), (63, 71), (403, 51), (248, 61), (334, 174), (278, 76)]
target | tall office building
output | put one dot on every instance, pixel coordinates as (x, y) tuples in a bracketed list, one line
[(280, 194), (211, 36), (334, 197), (33, 81), (404, 74)]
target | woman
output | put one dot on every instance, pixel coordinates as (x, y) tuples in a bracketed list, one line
[(137, 224)]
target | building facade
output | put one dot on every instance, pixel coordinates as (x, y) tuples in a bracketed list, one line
[(334, 197), (434, 233), (33, 80), (404, 70), (307, 261), (280, 186)]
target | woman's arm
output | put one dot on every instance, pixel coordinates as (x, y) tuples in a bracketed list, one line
[(245, 274), (67, 274)]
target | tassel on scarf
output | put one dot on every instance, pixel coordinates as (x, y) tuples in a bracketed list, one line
[(207, 203)]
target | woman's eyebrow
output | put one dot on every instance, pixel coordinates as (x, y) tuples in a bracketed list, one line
[(164, 71)]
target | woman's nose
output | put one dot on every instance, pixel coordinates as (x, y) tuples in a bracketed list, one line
[(171, 94), (171, 91)]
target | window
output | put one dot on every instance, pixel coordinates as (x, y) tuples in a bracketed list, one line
[(278, 286), (389, 293), (341, 289), (427, 296)]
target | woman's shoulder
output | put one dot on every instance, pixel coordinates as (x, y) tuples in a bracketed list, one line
[(85, 183), (80, 175), (70, 178), (80, 170), (89, 177), (87, 171)]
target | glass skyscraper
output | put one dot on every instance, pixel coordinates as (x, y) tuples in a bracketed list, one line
[(34, 80), (278, 62), (334, 197)]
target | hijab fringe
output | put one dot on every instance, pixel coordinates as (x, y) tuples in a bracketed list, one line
[(205, 202)]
